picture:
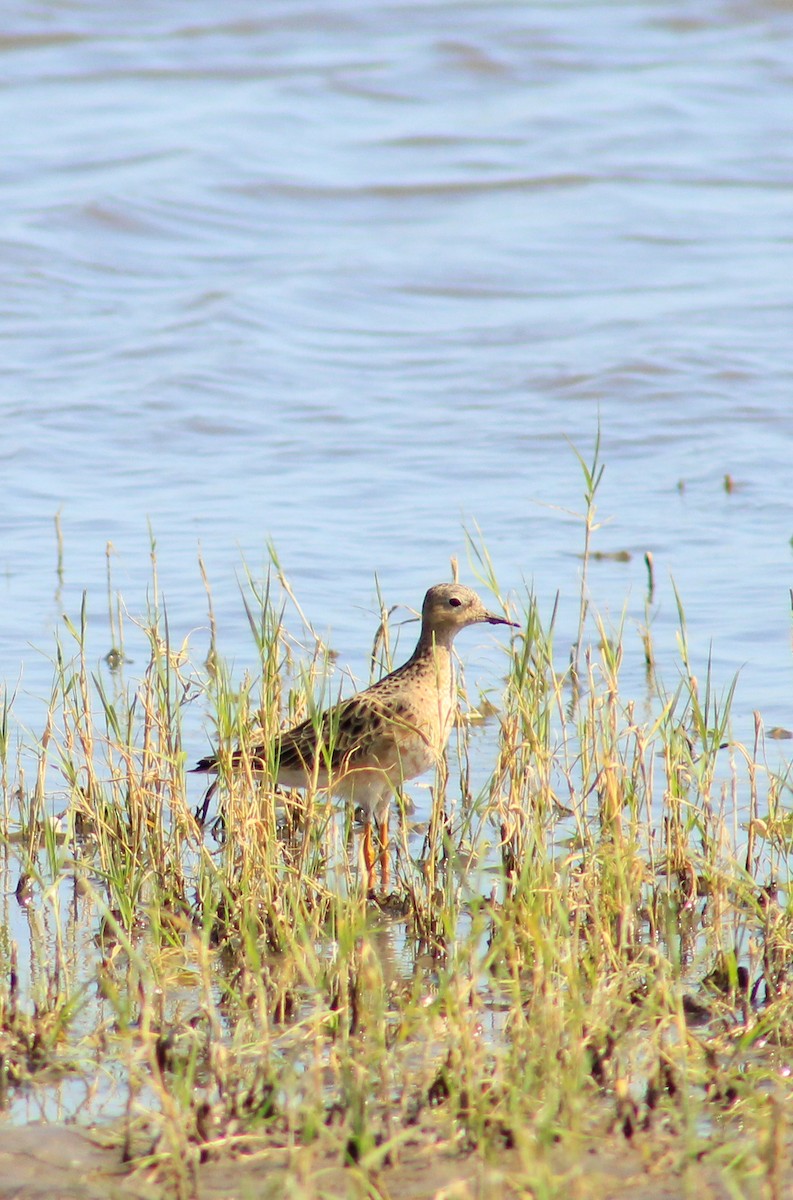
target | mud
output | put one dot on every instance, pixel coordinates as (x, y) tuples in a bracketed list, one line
[(52, 1162)]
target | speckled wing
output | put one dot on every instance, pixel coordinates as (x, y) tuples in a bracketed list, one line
[(384, 728), (369, 730)]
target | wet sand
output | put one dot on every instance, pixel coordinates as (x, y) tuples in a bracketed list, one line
[(58, 1162)]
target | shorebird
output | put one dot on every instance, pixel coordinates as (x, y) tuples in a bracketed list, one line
[(368, 746)]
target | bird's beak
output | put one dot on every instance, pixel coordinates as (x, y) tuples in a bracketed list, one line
[(494, 619)]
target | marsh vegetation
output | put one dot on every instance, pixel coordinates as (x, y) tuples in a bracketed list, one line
[(588, 934)]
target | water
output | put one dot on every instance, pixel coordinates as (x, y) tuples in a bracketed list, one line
[(354, 281), (351, 279)]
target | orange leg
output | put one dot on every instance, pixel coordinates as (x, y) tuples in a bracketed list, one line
[(369, 857), (382, 832)]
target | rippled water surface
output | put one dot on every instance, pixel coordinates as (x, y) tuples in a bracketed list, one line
[(353, 278)]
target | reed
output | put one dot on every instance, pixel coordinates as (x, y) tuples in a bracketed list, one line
[(592, 943)]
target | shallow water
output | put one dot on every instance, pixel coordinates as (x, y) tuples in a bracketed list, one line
[(354, 279)]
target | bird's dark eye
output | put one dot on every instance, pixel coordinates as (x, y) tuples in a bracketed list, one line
[(455, 601)]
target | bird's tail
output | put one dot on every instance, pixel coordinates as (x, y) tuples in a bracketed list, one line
[(205, 765)]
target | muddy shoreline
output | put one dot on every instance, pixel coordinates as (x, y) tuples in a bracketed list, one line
[(60, 1162)]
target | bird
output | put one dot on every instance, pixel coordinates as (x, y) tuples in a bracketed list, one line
[(366, 747)]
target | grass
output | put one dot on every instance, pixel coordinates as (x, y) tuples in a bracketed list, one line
[(594, 943)]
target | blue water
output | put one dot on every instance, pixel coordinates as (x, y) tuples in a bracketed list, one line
[(353, 279)]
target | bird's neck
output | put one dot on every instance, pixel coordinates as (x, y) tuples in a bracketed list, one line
[(434, 644)]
